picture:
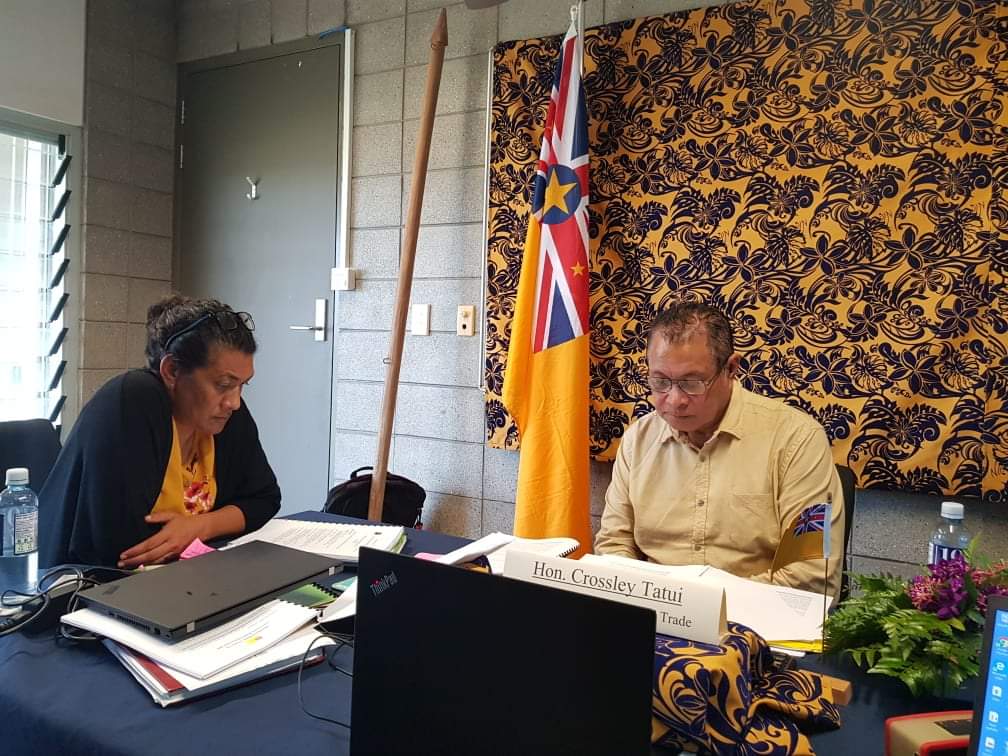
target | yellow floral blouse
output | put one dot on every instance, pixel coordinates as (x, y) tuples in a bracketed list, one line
[(189, 487)]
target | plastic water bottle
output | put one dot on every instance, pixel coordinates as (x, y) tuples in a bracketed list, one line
[(950, 537), (18, 533)]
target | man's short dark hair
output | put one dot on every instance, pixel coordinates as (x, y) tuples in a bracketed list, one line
[(680, 321)]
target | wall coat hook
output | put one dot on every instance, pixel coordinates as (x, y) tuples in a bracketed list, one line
[(254, 183)]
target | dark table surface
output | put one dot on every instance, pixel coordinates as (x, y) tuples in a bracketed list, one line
[(63, 698)]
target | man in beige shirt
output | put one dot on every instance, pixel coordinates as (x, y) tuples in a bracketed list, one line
[(715, 474)]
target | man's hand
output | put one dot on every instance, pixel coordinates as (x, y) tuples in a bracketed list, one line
[(177, 532)]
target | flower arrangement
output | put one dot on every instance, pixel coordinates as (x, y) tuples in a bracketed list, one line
[(926, 631)]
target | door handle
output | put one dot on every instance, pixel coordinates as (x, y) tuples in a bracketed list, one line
[(321, 305)]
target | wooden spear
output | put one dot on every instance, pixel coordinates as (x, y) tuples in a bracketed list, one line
[(439, 41)]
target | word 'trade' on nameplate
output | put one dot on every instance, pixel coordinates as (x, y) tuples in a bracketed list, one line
[(684, 609)]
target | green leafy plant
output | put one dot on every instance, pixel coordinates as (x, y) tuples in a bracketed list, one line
[(926, 631)]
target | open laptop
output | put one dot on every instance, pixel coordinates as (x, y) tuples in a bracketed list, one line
[(453, 661), (193, 595), (990, 711)]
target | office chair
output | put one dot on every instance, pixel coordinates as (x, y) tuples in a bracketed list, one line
[(33, 444), (847, 484)]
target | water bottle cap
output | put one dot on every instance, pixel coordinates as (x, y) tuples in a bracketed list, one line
[(17, 476), (953, 510)]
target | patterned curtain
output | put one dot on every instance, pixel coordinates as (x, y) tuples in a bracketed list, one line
[(832, 175)]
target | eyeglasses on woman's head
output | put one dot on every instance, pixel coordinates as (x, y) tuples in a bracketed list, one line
[(226, 319)]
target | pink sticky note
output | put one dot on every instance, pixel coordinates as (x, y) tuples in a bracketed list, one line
[(195, 549), (428, 556)]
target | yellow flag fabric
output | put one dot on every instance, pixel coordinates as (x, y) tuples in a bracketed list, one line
[(546, 383), (547, 394), (807, 537)]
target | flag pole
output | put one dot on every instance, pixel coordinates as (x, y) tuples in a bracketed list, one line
[(825, 590), (439, 41), (579, 10)]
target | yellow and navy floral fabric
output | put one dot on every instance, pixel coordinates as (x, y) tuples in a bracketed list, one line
[(832, 174), (730, 699)]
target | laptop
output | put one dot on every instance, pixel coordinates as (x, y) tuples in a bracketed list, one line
[(990, 712), (192, 595), (454, 661)]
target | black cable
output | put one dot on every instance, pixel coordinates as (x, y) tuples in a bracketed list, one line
[(40, 587), (37, 603), (342, 640), (66, 631)]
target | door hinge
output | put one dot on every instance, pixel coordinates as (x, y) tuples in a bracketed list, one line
[(181, 155), (182, 116)]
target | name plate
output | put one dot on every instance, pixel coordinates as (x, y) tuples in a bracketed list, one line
[(683, 608)]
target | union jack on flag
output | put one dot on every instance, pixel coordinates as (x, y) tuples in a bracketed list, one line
[(560, 205), (811, 520), (807, 537)]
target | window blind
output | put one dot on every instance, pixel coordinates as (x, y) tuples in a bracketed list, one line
[(34, 197)]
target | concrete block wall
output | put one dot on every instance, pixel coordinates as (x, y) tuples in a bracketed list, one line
[(127, 180), (891, 530), (438, 439)]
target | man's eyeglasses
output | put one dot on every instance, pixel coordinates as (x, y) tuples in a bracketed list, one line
[(227, 320), (689, 386)]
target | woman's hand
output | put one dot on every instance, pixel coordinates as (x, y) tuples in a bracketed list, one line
[(177, 532)]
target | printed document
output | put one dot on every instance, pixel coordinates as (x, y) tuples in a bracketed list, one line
[(168, 688), (495, 547), (339, 540), (207, 653), (776, 612)]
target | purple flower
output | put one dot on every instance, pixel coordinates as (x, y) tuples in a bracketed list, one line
[(944, 591)]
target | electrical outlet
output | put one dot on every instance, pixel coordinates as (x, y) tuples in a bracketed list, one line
[(465, 324)]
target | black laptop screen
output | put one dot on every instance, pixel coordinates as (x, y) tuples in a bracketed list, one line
[(450, 661)]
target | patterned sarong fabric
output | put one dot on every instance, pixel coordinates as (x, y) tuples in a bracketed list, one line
[(731, 700), (830, 173)]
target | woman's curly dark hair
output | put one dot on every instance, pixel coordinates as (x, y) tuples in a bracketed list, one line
[(170, 332)]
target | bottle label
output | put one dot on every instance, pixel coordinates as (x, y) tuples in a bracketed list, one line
[(939, 553), (25, 531)]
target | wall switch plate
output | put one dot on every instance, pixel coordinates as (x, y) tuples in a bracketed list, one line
[(344, 279), (420, 320), (465, 324)]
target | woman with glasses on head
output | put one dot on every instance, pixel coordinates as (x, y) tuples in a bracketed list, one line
[(162, 456)]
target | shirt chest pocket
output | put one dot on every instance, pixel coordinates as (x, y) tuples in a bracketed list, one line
[(758, 507)]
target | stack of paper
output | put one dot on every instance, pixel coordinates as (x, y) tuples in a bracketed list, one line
[(776, 612), (268, 640), (339, 540), (496, 546), (167, 686)]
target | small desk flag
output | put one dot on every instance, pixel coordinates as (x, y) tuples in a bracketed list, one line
[(546, 381), (807, 537)]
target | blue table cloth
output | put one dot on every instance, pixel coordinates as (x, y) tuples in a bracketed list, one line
[(62, 698)]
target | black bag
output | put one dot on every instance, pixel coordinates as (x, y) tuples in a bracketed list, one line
[(403, 498)]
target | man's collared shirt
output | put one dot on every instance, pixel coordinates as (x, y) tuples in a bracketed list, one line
[(728, 503)]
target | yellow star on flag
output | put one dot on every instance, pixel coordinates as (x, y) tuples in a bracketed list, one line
[(577, 269), (555, 194)]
